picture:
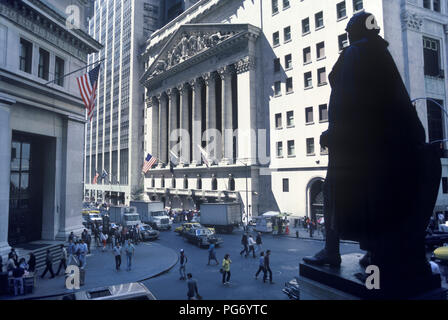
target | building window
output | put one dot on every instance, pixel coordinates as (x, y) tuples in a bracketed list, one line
[(277, 88), (277, 65), (357, 5), (288, 61), (431, 53), (278, 121), (323, 113), (26, 55), (59, 71), (214, 183), (231, 183), (310, 147), (323, 150), (291, 148), (274, 6), (287, 34), (279, 149), (285, 4), (198, 182), (276, 38), (445, 185), (320, 50), (185, 182), (319, 19), (289, 85), (44, 64), (343, 41), (309, 117), (173, 182), (305, 26), (341, 10), (322, 77), (153, 182), (290, 118), (436, 5), (435, 121), (162, 182), (308, 77), (427, 4), (307, 55), (285, 185)]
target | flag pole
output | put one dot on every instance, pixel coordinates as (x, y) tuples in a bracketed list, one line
[(85, 67)]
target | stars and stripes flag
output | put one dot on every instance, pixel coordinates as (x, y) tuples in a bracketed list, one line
[(149, 162), (87, 84), (204, 155), (95, 179)]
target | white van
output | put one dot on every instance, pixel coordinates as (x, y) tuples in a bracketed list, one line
[(264, 222)]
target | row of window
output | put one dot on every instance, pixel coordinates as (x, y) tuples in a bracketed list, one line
[(357, 5), (432, 5), (230, 183), (308, 82), (309, 117), (43, 70), (291, 150)]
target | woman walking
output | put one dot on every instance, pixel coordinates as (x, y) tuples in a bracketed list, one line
[(226, 269)]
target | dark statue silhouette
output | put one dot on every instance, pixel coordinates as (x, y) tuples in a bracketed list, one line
[(382, 179)]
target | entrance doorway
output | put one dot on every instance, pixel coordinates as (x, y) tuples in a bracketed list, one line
[(26, 189), (316, 200)]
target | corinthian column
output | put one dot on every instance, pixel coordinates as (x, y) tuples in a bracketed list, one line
[(196, 138), (153, 108), (210, 113), (172, 121), (163, 130), (227, 116), (184, 124)]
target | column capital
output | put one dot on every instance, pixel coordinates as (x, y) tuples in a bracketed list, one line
[(226, 71), (208, 77), (150, 101), (195, 82), (159, 96), (245, 64), (171, 92), (182, 88)]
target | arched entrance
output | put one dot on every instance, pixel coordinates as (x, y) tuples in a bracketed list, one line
[(316, 199)]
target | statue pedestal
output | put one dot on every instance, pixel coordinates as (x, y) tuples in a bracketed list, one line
[(328, 283)]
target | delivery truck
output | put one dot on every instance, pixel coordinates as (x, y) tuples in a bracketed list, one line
[(125, 216), (224, 217), (153, 213)]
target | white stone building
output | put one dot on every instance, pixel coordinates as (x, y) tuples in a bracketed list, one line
[(289, 48), (41, 123)]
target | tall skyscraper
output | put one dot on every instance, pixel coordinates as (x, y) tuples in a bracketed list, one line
[(114, 138)]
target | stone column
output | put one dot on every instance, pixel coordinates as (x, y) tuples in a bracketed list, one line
[(227, 116), (196, 85), (163, 130), (153, 110), (184, 124), (210, 117), (172, 122), (5, 170)]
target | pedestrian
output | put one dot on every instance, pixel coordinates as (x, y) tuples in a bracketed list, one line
[(129, 248), (83, 254), (103, 237), (88, 242), (183, 261), (226, 269), (10, 264), (117, 254), (261, 266), (251, 243), (212, 254), (15, 257), (32, 263), (244, 242), (192, 286), (64, 258), (267, 267), (259, 242), (48, 265), (17, 274), (71, 237)]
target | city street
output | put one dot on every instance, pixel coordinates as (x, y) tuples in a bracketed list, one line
[(286, 253)]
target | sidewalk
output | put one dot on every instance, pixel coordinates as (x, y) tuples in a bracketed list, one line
[(150, 260)]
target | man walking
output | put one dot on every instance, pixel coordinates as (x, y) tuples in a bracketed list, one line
[(261, 266), (63, 262), (244, 242), (83, 254), (129, 254), (258, 241), (192, 286), (267, 267), (183, 261), (48, 265), (117, 254), (251, 243), (212, 254)]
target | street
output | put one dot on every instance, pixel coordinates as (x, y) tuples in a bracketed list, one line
[(286, 254)]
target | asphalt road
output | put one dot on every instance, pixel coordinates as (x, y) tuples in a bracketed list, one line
[(286, 253)]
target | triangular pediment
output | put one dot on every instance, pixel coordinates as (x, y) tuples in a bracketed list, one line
[(193, 40)]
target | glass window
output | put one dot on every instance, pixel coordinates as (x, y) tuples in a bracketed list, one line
[(276, 38), (305, 25), (310, 146), (44, 64), (277, 88), (287, 34), (427, 4), (431, 54), (436, 5), (285, 4), (320, 50), (277, 65), (289, 85), (319, 19), (307, 55), (322, 76), (290, 118), (288, 61), (274, 6), (279, 149), (285, 185), (309, 118), (308, 80), (26, 55), (323, 112), (291, 148), (343, 41), (341, 10), (278, 121), (59, 71), (357, 5)]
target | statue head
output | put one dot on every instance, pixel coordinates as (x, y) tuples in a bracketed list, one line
[(362, 25)]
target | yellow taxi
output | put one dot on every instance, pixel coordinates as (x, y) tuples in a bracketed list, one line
[(185, 227)]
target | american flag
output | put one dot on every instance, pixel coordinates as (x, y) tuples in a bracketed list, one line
[(87, 84), (149, 162), (95, 179)]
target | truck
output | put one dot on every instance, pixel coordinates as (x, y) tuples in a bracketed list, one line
[(224, 217), (125, 216), (153, 213)]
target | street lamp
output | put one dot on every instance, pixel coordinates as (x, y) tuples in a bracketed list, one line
[(246, 213)]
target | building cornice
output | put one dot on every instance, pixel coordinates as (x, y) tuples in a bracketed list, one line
[(42, 21)]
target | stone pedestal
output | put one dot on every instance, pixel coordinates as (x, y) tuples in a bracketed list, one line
[(329, 283)]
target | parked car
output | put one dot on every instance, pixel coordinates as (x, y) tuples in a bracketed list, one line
[(189, 225), (202, 237), (148, 233)]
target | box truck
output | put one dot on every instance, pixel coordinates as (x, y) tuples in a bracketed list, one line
[(153, 213), (125, 216), (224, 217)]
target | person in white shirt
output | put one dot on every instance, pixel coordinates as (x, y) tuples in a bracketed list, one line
[(251, 244)]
